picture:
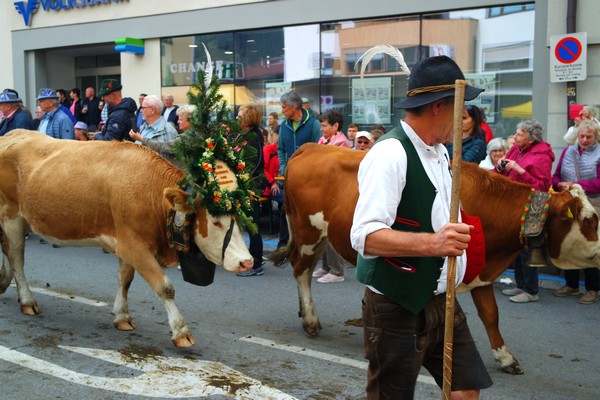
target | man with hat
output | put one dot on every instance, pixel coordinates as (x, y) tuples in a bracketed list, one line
[(15, 117), (362, 141), (306, 106), (403, 237), (54, 123), (121, 112)]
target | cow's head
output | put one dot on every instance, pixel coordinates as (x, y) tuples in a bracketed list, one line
[(218, 238), (573, 231)]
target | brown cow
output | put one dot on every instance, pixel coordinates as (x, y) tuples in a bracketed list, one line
[(321, 194), (107, 194)]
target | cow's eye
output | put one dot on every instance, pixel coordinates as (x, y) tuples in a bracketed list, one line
[(218, 224)]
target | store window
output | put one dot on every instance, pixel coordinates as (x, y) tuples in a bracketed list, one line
[(255, 66), (320, 62)]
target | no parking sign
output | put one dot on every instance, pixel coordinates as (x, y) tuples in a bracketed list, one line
[(568, 57)]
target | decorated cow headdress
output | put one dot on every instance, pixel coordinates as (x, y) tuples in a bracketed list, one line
[(214, 156)]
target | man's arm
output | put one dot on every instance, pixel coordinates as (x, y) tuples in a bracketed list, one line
[(281, 154), (451, 240), (65, 128), (117, 126)]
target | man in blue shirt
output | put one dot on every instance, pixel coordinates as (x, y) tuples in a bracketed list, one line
[(54, 122), (298, 128), (15, 117)]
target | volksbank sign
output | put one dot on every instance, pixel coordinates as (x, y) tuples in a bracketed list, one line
[(28, 8)]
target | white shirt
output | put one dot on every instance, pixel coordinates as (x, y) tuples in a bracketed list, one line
[(381, 180), (168, 112)]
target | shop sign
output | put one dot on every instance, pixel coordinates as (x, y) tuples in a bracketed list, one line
[(225, 70), (28, 8)]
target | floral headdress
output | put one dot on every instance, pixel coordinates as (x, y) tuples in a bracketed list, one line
[(214, 156)]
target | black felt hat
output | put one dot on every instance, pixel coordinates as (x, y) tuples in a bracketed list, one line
[(432, 79)]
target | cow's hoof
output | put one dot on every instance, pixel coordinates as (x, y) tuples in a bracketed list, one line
[(514, 368), (124, 325), (183, 342), (30, 309), (313, 331)]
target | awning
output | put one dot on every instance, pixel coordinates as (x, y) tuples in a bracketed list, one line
[(522, 111)]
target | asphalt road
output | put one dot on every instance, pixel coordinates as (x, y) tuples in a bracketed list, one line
[(250, 341)]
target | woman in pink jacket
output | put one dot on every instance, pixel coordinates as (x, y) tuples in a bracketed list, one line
[(528, 161)]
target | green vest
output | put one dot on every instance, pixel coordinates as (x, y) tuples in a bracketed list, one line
[(409, 281)]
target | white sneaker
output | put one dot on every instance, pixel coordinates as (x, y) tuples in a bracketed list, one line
[(319, 273), (524, 297), (330, 278), (512, 291)]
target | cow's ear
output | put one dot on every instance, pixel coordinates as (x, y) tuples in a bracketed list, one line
[(177, 199), (569, 209)]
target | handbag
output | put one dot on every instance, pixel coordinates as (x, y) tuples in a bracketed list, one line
[(594, 201)]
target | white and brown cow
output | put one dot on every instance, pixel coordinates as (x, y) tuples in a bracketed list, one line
[(321, 194), (108, 194)]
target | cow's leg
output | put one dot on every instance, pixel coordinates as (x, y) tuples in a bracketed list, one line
[(123, 320), (153, 273), (14, 243), (6, 273), (485, 301), (303, 268)]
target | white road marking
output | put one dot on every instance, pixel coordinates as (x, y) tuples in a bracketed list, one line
[(209, 365), (321, 356), (53, 293), (161, 377)]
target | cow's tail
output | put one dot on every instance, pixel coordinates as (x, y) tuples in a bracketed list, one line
[(279, 257)]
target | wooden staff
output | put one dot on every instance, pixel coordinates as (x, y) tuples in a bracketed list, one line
[(459, 103)]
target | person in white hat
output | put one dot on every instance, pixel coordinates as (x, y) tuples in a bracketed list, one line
[(362, 141), (81, 131)]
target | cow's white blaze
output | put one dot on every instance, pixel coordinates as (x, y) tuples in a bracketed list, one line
[(575, 250), (211, 245)]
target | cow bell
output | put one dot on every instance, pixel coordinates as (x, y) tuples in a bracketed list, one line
[(537, 258)]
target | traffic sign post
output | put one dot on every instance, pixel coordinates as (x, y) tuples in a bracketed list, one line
[(568, 57)]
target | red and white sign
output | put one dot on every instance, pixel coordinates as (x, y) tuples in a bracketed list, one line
[(568, 57)]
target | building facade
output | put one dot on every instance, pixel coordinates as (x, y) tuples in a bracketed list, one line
[(263, 48)]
